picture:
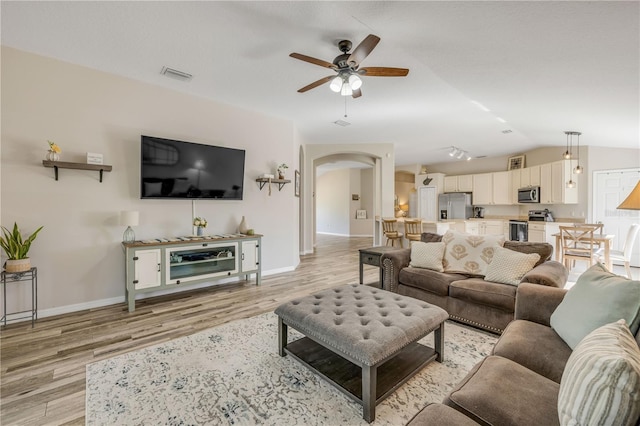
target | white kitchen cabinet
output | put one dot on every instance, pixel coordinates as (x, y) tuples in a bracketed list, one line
[(534, 175), (483, 189), (536, 232), (553, 183), (525, 178), (462, 183), (514, 177), (484, 227), (501, 188)]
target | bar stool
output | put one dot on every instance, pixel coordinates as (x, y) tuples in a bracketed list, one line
[(390, 230)]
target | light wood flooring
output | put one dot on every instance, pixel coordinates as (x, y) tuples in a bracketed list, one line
[(42, 370)]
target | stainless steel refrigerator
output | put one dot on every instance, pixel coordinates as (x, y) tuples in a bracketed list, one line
[(455, 205)]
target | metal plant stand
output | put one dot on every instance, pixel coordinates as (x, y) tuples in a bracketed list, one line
[(9, 277)]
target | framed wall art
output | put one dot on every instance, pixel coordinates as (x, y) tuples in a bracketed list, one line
[(296, 184), (516, 162)]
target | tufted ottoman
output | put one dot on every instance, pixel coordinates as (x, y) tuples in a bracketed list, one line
[(362, 339)]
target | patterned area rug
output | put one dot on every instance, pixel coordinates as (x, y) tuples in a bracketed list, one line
[(232, 374)]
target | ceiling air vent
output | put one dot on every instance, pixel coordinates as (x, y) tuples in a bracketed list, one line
[(175, 74), (507, 131), (342, 123)]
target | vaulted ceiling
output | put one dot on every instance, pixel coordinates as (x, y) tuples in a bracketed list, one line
[(477, 69)]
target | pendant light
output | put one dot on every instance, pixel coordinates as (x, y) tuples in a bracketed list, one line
[(567, 153), (578, 170)]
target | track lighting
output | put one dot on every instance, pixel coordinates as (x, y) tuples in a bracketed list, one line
[(459, 153)]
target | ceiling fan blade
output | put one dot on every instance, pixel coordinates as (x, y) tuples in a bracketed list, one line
[(363, 50), (383, 72), (316, 83), (356, 93), (313, 60)]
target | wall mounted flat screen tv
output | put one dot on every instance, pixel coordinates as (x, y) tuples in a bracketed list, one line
[(176, 169)]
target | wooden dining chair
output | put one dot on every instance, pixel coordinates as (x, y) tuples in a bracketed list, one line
[(390, 230), (577, 244), (413, 229), (598, 228)]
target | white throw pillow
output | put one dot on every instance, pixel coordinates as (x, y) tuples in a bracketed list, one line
[(600, 384), (509, 266), (468, 253), (427, 255)]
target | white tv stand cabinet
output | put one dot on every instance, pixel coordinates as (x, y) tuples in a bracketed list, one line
[(162, 265)]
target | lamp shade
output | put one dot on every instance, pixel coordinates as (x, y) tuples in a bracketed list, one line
[(129, 218), (632, 202)]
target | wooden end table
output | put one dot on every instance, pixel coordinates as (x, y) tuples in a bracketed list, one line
[(371, 256)]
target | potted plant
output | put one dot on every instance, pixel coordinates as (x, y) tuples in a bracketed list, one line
[(17, 249), (281, 168), (200, 223)]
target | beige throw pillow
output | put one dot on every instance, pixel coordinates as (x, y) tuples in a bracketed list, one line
[(427, 255), (469, 254), (600, 384), (509, 266)]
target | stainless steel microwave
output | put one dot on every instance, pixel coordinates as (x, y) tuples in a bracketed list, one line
[(529, 195)]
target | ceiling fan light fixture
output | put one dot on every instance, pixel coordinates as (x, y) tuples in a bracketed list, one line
[(454, 151), (460, 155), (336, 84), (355, 82), (346, 90)]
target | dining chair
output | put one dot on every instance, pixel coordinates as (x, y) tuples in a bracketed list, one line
[(598, 228), (623, 255), (577, 244), (413, 229), (390, 230)]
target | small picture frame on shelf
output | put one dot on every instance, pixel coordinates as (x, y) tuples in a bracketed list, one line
[(296, 184), (516, 162)]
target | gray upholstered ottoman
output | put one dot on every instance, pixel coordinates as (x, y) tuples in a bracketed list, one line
[(362, 339)]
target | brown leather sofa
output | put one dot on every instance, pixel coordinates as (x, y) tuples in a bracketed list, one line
[(518, 384), (469, 298)]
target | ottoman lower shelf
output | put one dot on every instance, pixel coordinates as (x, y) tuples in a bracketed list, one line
[(347, 376)]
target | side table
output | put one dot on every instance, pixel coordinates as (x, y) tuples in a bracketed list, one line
[(9, 277), (371, 256)]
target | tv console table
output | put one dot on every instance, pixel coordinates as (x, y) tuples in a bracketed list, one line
[(154, 265)]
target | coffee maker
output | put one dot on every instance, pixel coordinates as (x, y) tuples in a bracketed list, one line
[(478, 212)]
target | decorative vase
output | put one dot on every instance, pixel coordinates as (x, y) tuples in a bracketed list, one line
[(200, 231), (280, 174), (17, 265), (52, 156), (242, 228)]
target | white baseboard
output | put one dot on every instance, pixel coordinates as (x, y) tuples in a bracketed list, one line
[(67, 309), (345, 235)]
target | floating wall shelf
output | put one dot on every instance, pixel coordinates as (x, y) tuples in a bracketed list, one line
[(78, 166), (280, 182)]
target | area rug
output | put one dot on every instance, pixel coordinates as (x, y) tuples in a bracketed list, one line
[(233, 375)]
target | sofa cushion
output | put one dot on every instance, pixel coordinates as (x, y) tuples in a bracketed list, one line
[(426, 279), (545, 250), (440, 415), (427, 255), (468, 253), (534, 346), (598, 298), (508, 266), (601, 383), (485, 293), (499, 391)]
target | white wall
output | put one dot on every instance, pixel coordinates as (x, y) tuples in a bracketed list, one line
[(78, 253), (361, 181), (333, 195), (335, 208)]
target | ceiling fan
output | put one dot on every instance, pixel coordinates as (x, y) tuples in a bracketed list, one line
[(347, 65)]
